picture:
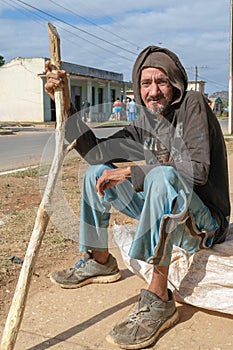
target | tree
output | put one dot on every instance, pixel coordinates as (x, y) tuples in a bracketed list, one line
[(2, 61)]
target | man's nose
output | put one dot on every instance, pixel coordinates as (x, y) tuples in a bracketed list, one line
[(154, 89)]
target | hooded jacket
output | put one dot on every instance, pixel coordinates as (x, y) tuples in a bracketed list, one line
[(188, 137)]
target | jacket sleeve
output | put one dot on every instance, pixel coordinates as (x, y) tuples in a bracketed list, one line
[(195, 151), (122, 146)]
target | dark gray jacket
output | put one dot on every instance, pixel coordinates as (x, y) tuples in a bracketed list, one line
[(188, 138)]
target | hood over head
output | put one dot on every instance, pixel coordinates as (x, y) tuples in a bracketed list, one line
[(157, 57)]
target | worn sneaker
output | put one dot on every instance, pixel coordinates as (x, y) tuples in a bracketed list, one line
[(86, 271), (147, 319)]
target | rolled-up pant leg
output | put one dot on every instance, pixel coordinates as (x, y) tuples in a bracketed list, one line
[(94, 211), (172, 215)]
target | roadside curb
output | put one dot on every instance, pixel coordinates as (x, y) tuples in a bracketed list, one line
[(6, 132), (228, 137)]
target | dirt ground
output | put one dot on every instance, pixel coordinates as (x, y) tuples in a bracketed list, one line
[(20, 198)]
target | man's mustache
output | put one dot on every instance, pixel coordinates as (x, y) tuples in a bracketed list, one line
[(159, 97)]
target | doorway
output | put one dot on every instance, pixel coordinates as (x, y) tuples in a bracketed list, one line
[(100, 100)]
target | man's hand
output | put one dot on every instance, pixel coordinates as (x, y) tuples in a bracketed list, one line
[(57, 79), (112, 177)]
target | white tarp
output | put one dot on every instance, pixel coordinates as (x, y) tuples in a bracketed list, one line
[(203, 279)]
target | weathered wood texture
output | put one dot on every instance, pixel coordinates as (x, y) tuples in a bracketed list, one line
[(17, 308)]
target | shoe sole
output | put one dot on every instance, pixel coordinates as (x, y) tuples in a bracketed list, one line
[(96, 279), (168, 324)]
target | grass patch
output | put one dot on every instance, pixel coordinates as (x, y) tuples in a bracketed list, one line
[(112, 123), (29, 172)]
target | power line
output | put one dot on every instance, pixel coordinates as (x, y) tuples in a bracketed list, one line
[(25, 10), (196, 73), (96, 45), (97, 10), (75, 27), (93, 23), (216, 83), (62, 29)]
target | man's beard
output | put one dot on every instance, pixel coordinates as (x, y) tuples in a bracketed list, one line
[(158, 110)]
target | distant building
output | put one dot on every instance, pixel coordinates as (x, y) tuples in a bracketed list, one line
[(23, 97), (196, 85), (130, 93), (216, 104)]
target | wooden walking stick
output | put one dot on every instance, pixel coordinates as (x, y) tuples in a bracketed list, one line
[(16, 311)]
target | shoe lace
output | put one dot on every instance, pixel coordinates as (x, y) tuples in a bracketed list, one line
[(136, 316), (82, 261), (78, 264)]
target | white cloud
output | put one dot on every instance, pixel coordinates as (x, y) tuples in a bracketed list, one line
[(197, 31)]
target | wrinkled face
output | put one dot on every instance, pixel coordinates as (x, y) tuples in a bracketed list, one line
[(156, 90)]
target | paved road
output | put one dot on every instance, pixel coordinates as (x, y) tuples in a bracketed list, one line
[(26, 148), (21, 150), (224, 125)]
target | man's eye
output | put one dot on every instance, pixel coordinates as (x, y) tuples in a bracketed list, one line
[(145, 83), (162, 82)]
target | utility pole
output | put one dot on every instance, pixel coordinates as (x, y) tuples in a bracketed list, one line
[(196, 74), (230, 116)]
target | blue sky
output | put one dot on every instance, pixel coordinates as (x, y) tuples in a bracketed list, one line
[(108, 34)]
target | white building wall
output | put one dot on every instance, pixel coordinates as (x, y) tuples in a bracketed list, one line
[(21, 95), (23, 98), (196, 86)]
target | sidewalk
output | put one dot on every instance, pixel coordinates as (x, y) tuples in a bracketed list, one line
[(79, 319)]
